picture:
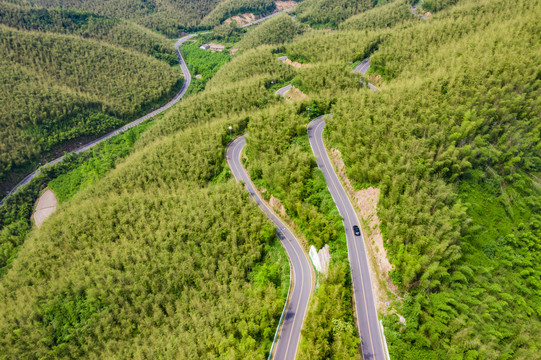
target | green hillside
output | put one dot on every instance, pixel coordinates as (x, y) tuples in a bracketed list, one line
[(57, 88), (381, 17), (226, 274), (168, 17), (161, 254), (228, 8), (275, 31), (89, 26), (329, 13), (452, 140)]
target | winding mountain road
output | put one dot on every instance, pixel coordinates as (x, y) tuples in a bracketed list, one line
[(282, 91), (362, 69), (178, 96), (295, 309), (365, 306)]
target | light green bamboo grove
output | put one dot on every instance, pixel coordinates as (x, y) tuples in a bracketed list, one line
[(394, 14), (274, 31), (228, 8), (281, 162), (170, 18), (89, 26), (453, 145), (56, 88), (165, 256), (326, 13)]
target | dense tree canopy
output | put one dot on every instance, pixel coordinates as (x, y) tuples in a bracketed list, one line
[(57, 88), (452, 141), (229, 8), (277, 30), (329, 13), (154, 256), (89, 26), (170, 17), (381, 17), (165, 256)]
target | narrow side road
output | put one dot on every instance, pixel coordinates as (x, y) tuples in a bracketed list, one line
[(299, 294), (178, 96), (365, 307), (362, 67), (282, 91)]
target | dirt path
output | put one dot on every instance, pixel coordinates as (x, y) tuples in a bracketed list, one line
[(45, 206)]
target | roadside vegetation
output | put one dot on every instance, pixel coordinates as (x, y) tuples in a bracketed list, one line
[(203, 64)]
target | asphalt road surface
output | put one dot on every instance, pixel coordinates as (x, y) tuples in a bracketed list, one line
[(413, 10), (299, 295), (362, 67), (178, 96), (282, 91), (365, 309)]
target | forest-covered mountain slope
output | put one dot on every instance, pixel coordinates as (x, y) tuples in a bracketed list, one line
[(89, 26), (380, 17), (277, 30), (229, 8), (56, 88), (452, 141), (329, 13), (168, 17), (165, 256), (184, 255)]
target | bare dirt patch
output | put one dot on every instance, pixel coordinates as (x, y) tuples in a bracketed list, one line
[(295, 64), (285, 5), (45, 206), (366, 204), (277, 205), (295, 94), (233, 51), (375, 79), (243, 19)]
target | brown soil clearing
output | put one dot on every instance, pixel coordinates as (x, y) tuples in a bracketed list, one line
[(45, 206), (295, 94), (242, 19), (295, 64), (277, 205)]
